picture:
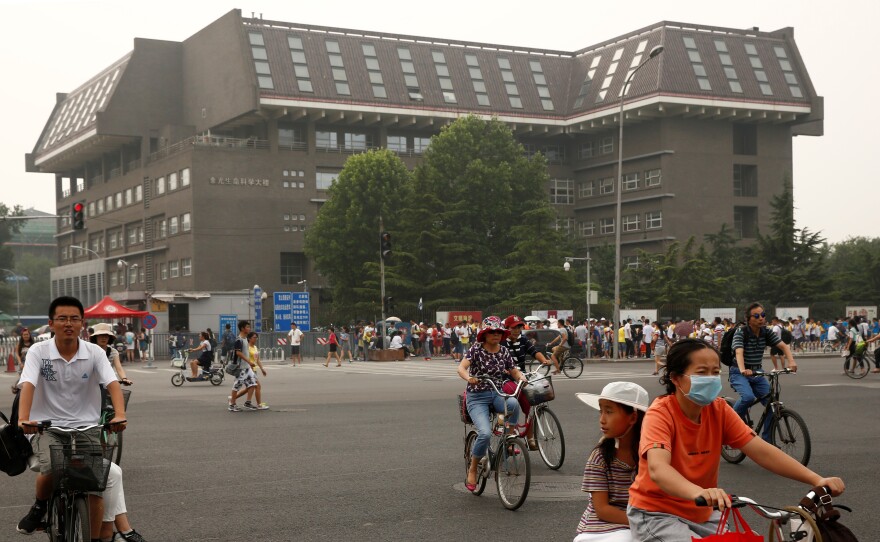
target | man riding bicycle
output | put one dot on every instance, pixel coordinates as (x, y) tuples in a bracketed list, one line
[(519, 346), (749, 342), (561, 342)]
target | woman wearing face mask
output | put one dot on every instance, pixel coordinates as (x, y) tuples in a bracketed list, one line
[(680, 449)]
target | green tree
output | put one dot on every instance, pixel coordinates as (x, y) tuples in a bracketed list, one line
[(472, 195), (344, 241), (854, 269), (35, 293), (7, 257)]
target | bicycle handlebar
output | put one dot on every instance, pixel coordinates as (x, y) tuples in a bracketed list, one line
[(767, 512), (47, 425), (486, 378), (774, 372)]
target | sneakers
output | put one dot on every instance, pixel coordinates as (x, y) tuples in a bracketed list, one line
[(34, 518), (249, 406), (262, 406), (234, 408), (132, 536)]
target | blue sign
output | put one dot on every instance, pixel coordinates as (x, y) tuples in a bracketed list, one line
[(232, 320), (149, 321), (301, 311), (283, 311), (258, 310)]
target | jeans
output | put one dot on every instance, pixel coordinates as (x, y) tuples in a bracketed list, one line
[(749, 388), (478, 406)]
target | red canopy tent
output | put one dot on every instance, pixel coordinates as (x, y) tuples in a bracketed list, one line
[(107, 308)]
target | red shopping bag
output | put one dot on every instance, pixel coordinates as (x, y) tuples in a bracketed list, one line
[(741, 531)]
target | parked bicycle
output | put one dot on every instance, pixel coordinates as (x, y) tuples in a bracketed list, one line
[(214, 375), (547, 430), (111, 438), (77, 470), (788, 430), (570, 365), (508, 457)]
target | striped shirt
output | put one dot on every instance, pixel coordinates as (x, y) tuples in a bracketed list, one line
[(616, 481), (752, 346)]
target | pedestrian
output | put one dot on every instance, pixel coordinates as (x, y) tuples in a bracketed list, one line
[(143, 344), (333, 343), (613, 463), (227, 342), (254, 361), (294, 337), (660, 346), (129, 344), (246, 380), (345, 343), (650, 334), (173, 348), (425, 341)]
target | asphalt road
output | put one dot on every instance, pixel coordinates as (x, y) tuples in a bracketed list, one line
[(373, 451)]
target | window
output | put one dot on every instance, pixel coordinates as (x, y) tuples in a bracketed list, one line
[(653, 177), (606, 226), (326, 140), (745, 180), (606, 186), (357, 142), (323, 179), (91, 208), (113, 240), (132, 275), (758, 68), (160, 185), (541, 82), (174, 269), (163, 271), (561, 191), (745, 139), (588, 229), (607, 145), (630, 181), (653, 220), (114, 279), (132, 235), (261, 64), (291, 137), (184, 177), (631, 223), (585, 190), (338, 67), (300, 69), (510, 87), (163, 229), (119, 200), (397, 143), (141, 274), (129, 195), (185, 222), (186, 265), (373, 71), (292, 266), (138, 195), (587, 150), (172, 181), (745, 222), (631, 262), (420, 144), (410, 79), (585, 86), (173, 225), (477, 79), (443, 75)]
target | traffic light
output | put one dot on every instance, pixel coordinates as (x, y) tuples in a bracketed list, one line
[(385, 245), (78, 216)]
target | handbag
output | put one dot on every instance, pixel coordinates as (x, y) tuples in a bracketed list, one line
[(741, 531), (15, 448), (817, 506)]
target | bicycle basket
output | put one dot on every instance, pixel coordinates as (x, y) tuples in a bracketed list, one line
[(82, 469), (462, 410), (539, 390), (108, 404)]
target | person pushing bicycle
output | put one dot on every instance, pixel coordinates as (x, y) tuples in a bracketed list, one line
[(748, 346)]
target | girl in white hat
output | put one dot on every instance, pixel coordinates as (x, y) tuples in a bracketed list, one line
[(612, 465)]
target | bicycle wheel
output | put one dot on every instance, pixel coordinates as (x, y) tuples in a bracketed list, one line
[(216, 379), (800, 526), (79, 528), (856, 367), (789, 433), (573, 366), (55, 518), (551, 441), (827, 348), (513, 473), (177, 380), (732, 455), (481, 476)]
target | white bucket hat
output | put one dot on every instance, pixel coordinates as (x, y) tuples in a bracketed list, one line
[(625, 393), (103, 329)]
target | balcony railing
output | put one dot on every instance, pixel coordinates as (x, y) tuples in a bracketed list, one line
[(231, 142), (342, 149), (293, 146)]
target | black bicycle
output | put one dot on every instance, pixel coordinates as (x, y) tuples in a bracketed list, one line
[(571, 365), (788, 430), (77, 470)]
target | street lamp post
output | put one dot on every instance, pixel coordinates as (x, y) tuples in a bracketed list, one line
[(567, 267), (17, 278), (617, 220), (101, 282)]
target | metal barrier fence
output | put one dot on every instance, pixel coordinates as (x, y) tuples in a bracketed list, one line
[(268, 344)]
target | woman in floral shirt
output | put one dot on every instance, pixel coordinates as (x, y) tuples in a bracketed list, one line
[(487, 358)]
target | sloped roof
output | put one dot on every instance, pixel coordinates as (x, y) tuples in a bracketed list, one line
[(107, 308)]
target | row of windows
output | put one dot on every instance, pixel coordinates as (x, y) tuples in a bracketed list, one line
[(261, 60), (477, 79), (652, 220), (131, 196), (631, 181), (596, 147), (173, 181), (174, 269)]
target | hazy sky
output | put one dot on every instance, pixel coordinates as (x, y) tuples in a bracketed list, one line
[(55, 46)]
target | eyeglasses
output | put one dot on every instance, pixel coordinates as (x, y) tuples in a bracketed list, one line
[(65, 319), (759, 315)]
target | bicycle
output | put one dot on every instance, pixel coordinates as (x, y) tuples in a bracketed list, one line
[(831, 347), (787, 524), (788, 430), (77, 470), (214, 375), (547, 430), (858, 365), (570, 365), (508, 455), (111, 438)]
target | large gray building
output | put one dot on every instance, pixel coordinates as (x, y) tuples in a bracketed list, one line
[(202, 163)]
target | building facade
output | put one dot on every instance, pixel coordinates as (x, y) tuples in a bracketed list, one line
[(202, 163)]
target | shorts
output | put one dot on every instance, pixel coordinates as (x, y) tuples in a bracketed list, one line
[(560, 350), (660, 350), (294, 350), (41, 444), (246, 379), (775, 351), (333, 348)]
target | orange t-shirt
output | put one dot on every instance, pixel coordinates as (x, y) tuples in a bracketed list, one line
[(695, 448)]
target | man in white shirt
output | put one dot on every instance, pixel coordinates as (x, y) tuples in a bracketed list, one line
[(649, 333), (628, 337), (61, 383), (580, 335), (294, 337), (832, 334)]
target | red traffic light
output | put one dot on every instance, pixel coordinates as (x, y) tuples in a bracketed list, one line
[(78, 216), (78, 207)]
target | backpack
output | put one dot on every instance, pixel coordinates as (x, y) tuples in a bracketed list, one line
[(213, 342), (570, 337), (786, 335), (821, 518), (233, 366), (15, 448), (725, 352)]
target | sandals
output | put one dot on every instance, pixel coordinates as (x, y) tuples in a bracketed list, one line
[(533, 444)]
